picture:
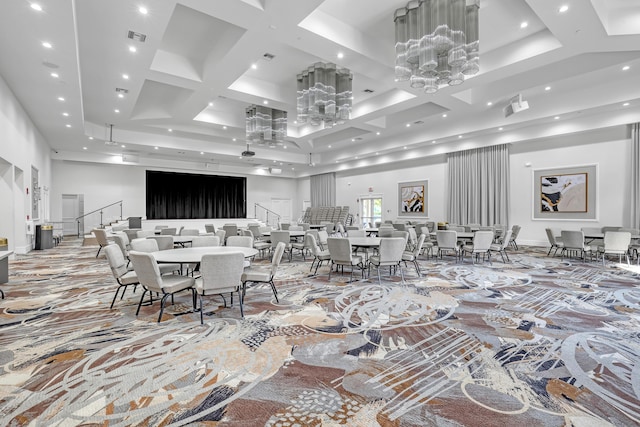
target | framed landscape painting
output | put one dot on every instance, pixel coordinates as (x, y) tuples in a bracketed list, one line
[(565, 193), (412, 199)]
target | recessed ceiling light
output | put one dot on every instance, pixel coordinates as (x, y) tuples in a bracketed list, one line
[(336, 161), (65, 114), (202, 152), (84, 148), (254, 66), (47, 45), (143, 10), (285, 147), (433, 142), (356, 157), (500, 128), (125, 76), (120, 95), (563, 8), (234, 140), (626, 104), (353, 140), (90, 137), (224, 127), (459, 136), (293, 169), (116, 111), (123, 146), (155, 148), (444, 115), (60, 98), (547, 88), (408, 125), (625, 68), (405, 147), (36, 6), (132, 49), (265, 102), (524, 24), (556, 117), (211, 104), (489, 103), (340, 55), (377, 133), (328, 146), (68, 126), (377, 153), (55, 75)]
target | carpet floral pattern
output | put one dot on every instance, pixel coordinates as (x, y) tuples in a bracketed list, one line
[(539, 341)]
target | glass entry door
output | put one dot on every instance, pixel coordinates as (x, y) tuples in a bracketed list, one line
[(371, 210)]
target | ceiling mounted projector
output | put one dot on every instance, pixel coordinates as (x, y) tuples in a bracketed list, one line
[(248, 153), (516, 104)]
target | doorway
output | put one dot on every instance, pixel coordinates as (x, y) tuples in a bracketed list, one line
[(283, 208), (72, 208), (370, 210)]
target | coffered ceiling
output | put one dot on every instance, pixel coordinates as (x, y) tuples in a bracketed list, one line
[(203, 62)]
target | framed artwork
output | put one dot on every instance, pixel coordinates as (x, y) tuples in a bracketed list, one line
[(412, 199), (567, 193)]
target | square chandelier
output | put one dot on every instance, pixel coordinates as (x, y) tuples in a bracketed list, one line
[(437, 42), (265, 126), (325, 95)]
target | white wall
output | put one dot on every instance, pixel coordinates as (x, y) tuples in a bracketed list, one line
[(21, 147), (103, 184), (608, 148)]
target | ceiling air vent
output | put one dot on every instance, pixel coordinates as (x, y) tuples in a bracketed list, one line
[(121, 90), (268, 56), (368, 91), (136, 36)]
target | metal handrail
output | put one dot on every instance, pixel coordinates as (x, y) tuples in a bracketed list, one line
[(101, 214), (268, 211)]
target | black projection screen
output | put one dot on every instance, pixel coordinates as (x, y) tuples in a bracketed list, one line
[(172, 195)]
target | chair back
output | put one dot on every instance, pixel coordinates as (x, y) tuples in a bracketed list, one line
[(147, 270), (391, 249), (116, 261), (255, 229), (121, 241), (295, 228), (482, 240), (322, 237), (447, 239), (221, 271), (131, 234), (314, 233), (403, 234), (418, 248), (311, 242), (248, 233), (277, 257), (221, 234), (305, 226), (230, 229), (356, 233), (400, 226), (278, 236), (339, 249), (167, 231), (329, 226), (242, 241), (142, 234), (459, 228), (160, 227), (572, 239), (609, 228), (508, 236), (633, 231), (144, 245), (385, 231), (617, 241), (515, 230), (190, 232), (550, 237), (209, 228), (205, 241), (413, 236), (164, 242), (101, 236), (591, 230)]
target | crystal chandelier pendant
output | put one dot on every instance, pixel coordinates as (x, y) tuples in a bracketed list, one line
[(324, 95)]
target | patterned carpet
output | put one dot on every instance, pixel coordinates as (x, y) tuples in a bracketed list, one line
[(535, 342)]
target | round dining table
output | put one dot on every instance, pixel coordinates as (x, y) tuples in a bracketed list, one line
[(194, 255)]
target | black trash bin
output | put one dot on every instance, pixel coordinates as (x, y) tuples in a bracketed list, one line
[(135, 222), (44, 236)]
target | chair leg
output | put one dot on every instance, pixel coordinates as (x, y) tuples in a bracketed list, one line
[(114, 297), (142, 298), (275, 291), (241, 302), (99, 249), (201, 318), (164, 298), (2, 293)]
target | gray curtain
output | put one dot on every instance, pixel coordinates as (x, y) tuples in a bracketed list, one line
[(635, 176), (479, 186), (323, 190)]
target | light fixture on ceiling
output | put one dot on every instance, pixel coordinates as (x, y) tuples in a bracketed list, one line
[(437, 42), (110, 141), (325, 94), (265, 126)]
